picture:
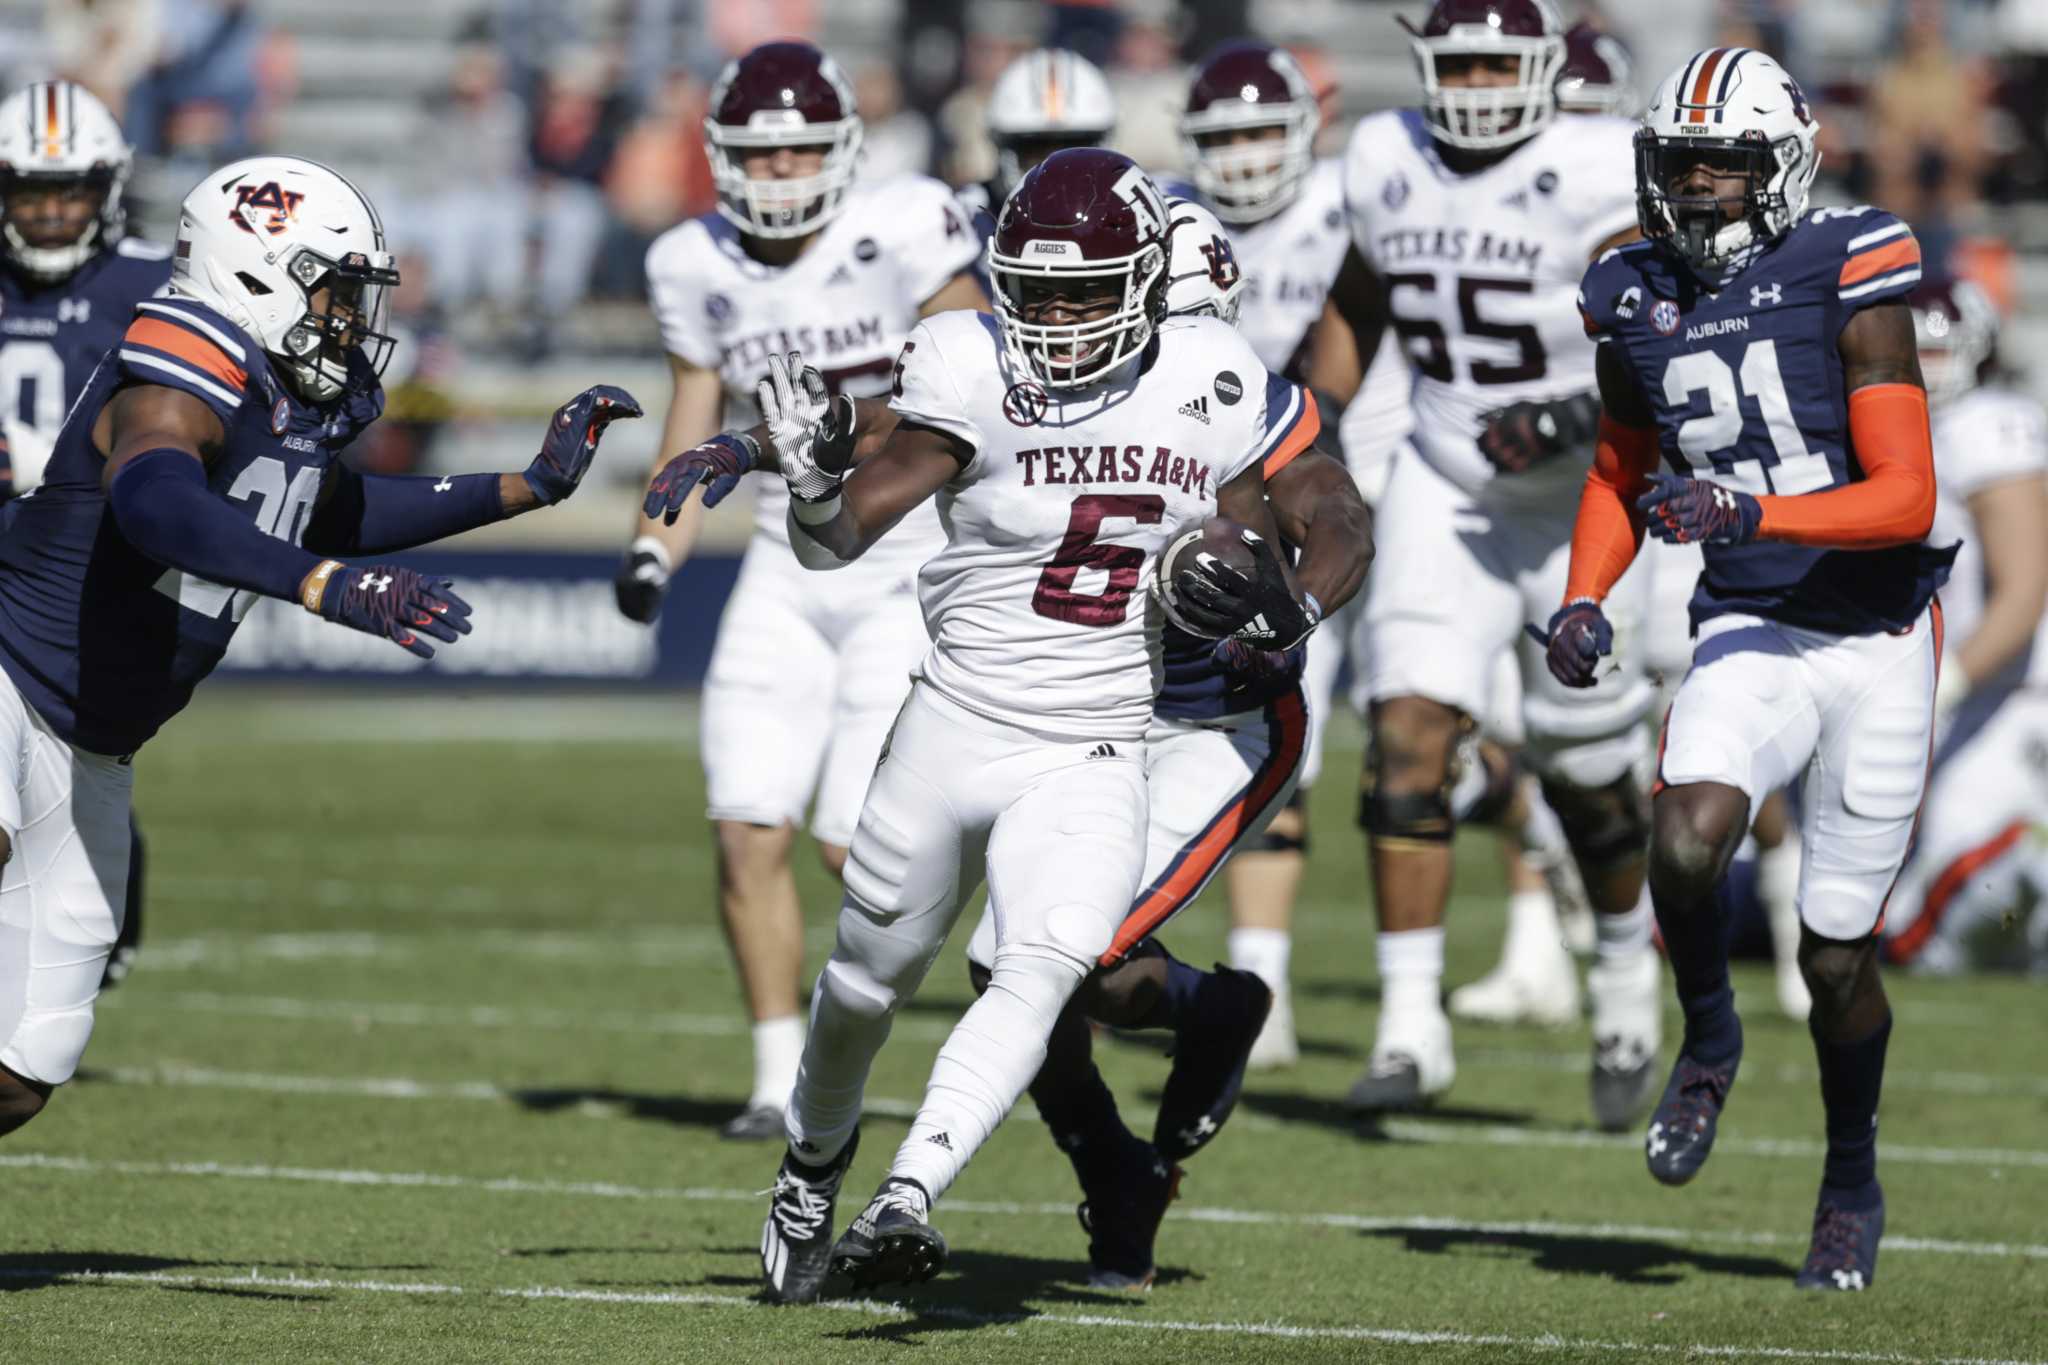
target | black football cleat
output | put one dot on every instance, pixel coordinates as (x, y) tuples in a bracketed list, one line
[(893, 1241), (1682, 1128), (1122, 1213), (1846, 1229), (796, 1239), (1210, 1050), (755, 1123)]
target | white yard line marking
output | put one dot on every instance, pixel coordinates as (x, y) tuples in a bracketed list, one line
[(1944, 1082), (430, 950), (998, 1209), (1498, 1135), (873, 1308)]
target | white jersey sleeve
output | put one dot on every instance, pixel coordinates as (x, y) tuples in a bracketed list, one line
[(1986, 437), (1598, 160), (925, 391), (677, 294), (925, 236)]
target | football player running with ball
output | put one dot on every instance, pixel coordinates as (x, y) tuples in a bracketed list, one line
[(806, 673), (198, 471), (1767, 354), (1067, 441)]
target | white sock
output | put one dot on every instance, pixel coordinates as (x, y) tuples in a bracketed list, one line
[(1411, 969), (778, 1048), (1532, 924), (1263, 953), (988, 1060), (1620, 937)]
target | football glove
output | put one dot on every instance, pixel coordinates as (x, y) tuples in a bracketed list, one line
[(718, 464), (1218, 601), (812, 432), (1522, 435), (571, 443), (1249, 663), (1697, 512), (642, 579), (383, 599), (1579, 636)]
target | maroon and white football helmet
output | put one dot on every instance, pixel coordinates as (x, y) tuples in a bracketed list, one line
[(1597, 75), (1487, 118), (1955, 324), (1084, 216), (1250, 85), (785, 94)]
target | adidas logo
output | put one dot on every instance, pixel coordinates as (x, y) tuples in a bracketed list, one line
[(1105, 749), (940, 1140), (1197, 408), (840, 275)]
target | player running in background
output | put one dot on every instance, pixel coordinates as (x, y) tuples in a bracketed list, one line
[(806, 672), (1983, 838), (197, 472), (70, 278), (1768, 355), (1471, 221)]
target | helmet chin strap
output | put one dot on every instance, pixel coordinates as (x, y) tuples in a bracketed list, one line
[(51, 262)]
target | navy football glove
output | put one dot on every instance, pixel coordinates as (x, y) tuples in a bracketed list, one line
[(384, 599), (1259, 610), (571, 444), (1249, 663), (1696, 512), (1579, 636), (718, 464)]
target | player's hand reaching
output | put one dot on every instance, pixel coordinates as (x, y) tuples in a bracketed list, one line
[(1249, 663), (1697, 512), (383, 599), (1578, 638), (812, 431), (1258, 609), (1522, 435), (641, 580), (718, 464), (571, 444)]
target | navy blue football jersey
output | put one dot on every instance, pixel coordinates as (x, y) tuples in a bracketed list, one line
[(1748, 391), (51, 336), (104, 643)]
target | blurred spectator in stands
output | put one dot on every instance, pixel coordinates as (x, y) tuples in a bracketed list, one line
[(897, 140), (659, 177), (417, 400), (576, 130), (471, 225), (203, 93), (1151, 89), (1093, 28), (104, 45), (962, 123), (1927, 126), (738, 26)]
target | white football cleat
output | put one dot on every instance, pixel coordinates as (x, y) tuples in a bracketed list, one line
[(1628, 1029), (1535, 981), (1411, 1063), (1275, 1049)]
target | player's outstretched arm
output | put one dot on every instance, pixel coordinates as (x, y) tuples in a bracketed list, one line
[(695, 410), (1347, 336), (378, 513), (158, 443), (1318, 510)]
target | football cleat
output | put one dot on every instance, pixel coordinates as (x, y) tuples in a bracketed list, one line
[(755, 1123), (893, 1241), (1121, 1216), (1539, 988), (1209, 1053), (1846, 1229), (1411, 1064), (1682, 1130), (796, 1239), (1628, 1028), (1276, 1048)]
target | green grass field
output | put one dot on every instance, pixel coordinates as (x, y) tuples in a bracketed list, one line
[(432, 1034)]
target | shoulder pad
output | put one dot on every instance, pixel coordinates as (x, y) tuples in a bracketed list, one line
[(141, 249)]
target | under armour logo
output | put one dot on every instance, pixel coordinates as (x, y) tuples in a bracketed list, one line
[(376, 582), (1657, 1145), (1724, 500), (74, 310), (1199, 1132), (447, 482), (1759, 296), (1848, 1279)]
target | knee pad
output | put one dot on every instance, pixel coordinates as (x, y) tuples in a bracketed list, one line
[(1042, 981), (46, 1045), (1494, 793), (1405, 817), (857, 991), (1076, 933), (1605, 826), (1294, 838)]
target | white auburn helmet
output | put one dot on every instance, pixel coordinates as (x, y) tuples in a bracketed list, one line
[(258, 238), (57, 133), (1955, 325), (1203, 277), (1736, 112), (1489, 117), (1045, 100), (1250, 85), (786, 94)]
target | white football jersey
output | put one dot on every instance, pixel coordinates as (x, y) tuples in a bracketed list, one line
[(1985, 437), (1038, 606), (847, 303), (1289, 262), (1483, 272)]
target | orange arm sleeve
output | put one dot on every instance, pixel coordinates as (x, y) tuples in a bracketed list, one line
[(1609, 530), (1893, 504)]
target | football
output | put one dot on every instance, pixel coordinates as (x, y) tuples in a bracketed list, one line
[(1218, 537)]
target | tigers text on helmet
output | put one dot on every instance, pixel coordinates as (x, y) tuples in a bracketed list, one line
[(786, 94), (1246, 88), (1083, 221), (1480, 117), (258, 239), (1955, 324), (1597, 75), (1726, 113), (1203, 277), (56, 135), (1046, 100)]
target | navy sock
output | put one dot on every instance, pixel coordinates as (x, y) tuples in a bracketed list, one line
[(1851, 1075), (1177, 998), (1696, 941), (1073, 1100)]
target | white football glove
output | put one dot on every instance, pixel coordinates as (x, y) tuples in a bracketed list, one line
[(794, 406)]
